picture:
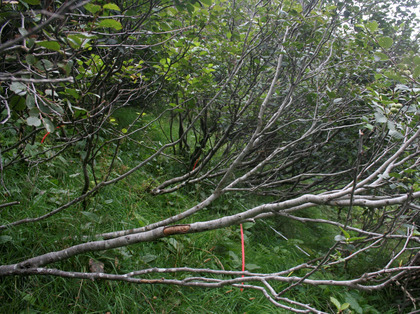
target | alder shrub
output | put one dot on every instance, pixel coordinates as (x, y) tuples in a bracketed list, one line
[(288, 105)]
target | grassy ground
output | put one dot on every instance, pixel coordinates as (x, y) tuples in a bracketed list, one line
[(129, 204)]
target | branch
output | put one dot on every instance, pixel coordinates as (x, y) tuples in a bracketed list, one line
[(36, 81)]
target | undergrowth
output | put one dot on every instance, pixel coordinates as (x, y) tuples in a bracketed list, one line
[(129, 204)]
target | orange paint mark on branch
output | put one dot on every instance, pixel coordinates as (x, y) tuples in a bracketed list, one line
[(243, 251), (196, 162), (48, 133), (176, 229), (45, 136)]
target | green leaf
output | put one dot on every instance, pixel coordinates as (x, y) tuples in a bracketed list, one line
[(252, 267), (190, 8), (335, 302), (72, 92), (380, 56), (30, 42), (22, 31), (378, 76), (385, 42), (355, 239), (34, 112), (68, 67), (75, 41), (33, 121), (124, 130), (207, 2), (395, 175), (396, 134), (380, 118), (30, 101), (30, 59), (51, 45), (344, 306), (111, 6), (79, 112), (32, 2), (18, 88), (372, 26), (148, 258), (44, 64), (346, 234), (234, 257), (92, 8), (174, 243), (5, 238), (416, 72), (49, 126), (353, 303), (111, 24), (91, 216), (394, 76), (339, 237), (248, 225), (18, 103), (369, 126)]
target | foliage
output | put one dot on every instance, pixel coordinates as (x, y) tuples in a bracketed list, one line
[(135, 137)]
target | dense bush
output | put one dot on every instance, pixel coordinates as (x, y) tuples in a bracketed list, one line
[(137, 136)]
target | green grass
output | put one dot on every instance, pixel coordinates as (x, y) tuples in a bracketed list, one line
[(128, 204)]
